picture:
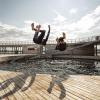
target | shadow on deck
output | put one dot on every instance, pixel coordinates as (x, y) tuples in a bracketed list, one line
[(54, 80)]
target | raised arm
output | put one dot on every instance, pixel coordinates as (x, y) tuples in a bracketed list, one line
[(64, 35), (49, 29)]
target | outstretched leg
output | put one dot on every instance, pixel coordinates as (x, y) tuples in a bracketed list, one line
[(46, 39)]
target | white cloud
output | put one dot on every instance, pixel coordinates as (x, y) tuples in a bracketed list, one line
[(9, 32), (59, 17), (88, 24), (97, 11), (73, 11), (28, 21)]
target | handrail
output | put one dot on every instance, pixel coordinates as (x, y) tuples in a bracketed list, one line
[(79, 40)]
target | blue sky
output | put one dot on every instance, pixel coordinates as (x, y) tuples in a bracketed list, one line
[(78, 18)]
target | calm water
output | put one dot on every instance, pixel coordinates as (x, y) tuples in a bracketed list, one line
[(54, 67)]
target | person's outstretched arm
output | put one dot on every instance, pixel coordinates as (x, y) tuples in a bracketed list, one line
[(48, 33), (64, 35), (49, 28)]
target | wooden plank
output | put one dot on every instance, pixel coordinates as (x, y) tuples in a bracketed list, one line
[(34, 92), (2, 91), (7, 88), (56, 91), (90, 84), (78, 87), (26, 94), (81, 94), (18, 93), (44, 88), (85, 90), (41, 87)]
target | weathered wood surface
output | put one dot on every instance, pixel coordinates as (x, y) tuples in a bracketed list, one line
[(74, 87)]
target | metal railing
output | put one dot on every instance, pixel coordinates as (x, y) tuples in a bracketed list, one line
[(15, 42), (79, 40)]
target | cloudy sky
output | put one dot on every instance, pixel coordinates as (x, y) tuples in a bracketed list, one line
[(78, 18)]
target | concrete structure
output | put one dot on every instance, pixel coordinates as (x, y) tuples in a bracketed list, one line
[(18, 47), (89, 50), (82, 48), (31, 49), (88, 47)]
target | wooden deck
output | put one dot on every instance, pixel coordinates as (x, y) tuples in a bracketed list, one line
[(15, 86)]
